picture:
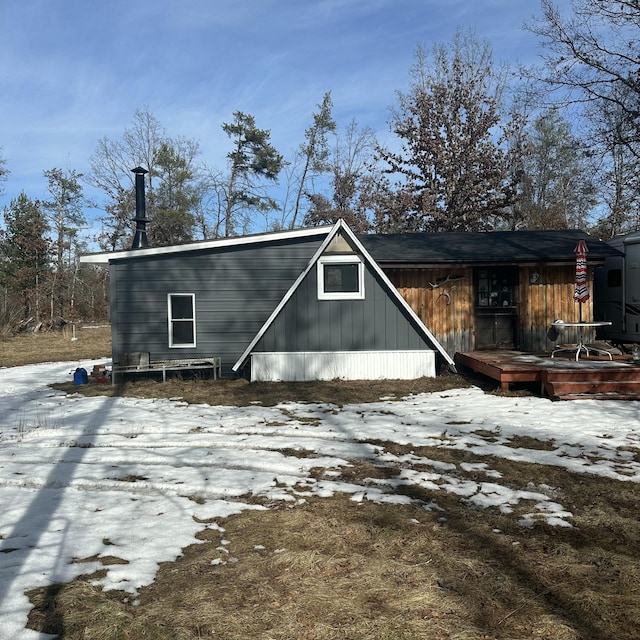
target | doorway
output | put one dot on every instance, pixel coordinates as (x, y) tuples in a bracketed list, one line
[(496, 307)]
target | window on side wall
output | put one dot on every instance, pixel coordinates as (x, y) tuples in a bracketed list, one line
[(340, 278), (614, 278), (182, 319)]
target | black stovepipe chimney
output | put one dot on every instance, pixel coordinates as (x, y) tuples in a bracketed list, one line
[(140, 239)]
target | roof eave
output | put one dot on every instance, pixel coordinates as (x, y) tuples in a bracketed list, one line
[(216, 243), (552, 262)]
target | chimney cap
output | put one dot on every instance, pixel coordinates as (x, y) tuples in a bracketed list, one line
[(138, 170)]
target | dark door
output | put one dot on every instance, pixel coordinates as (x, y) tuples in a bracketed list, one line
[(496, 291)]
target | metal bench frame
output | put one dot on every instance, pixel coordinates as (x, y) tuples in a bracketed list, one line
[(180, 364)]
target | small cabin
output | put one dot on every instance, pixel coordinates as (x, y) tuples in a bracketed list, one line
[(325, 303)]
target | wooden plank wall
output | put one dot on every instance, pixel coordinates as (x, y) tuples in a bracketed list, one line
[(448, 317), (452, 319), (549, 298)]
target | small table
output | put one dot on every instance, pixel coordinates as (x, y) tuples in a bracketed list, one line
[(581, 346)]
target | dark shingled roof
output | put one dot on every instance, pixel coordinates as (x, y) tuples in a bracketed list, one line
[(483, 247)]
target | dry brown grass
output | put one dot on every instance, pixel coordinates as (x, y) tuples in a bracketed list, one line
[(55, 346), (95, 343), (335, 569), (242, 393)]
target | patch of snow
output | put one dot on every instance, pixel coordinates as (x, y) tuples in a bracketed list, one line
[(139, 479)]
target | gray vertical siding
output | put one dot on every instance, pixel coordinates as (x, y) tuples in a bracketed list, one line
[(236, 289), (308, 324)]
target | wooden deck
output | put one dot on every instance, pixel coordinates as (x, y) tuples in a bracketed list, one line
[(560, 378)]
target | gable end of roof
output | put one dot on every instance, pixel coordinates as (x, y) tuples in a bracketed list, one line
[(341, 226)]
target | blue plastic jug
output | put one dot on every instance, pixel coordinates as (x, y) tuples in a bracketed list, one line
[(80, 376)]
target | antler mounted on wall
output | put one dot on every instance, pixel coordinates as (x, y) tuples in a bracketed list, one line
[(441, 282), (450, 278)]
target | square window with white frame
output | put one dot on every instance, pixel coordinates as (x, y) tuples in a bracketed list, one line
[(340, 277), (182, 319)]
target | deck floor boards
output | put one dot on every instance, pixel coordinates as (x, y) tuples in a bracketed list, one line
[(600, 377)]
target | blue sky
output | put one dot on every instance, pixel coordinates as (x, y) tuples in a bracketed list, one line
[(72, 72)]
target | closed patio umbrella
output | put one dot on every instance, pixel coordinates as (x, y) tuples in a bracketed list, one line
[(581, 293)]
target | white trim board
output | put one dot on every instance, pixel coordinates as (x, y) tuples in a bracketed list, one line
[(344, 365), (217, 243)]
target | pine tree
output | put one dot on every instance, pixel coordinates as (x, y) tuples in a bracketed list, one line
[(174, 198), (25, 250), (66, 217), (252, 160)]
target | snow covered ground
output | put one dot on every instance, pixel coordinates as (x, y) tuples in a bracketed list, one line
[(83, 477)]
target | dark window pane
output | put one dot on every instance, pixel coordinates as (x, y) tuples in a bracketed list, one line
[(497, 287), (181, 307), (341, 278), (183, 333), (614, 278)]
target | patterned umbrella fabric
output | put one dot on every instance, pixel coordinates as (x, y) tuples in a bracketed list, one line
[(581, 293)]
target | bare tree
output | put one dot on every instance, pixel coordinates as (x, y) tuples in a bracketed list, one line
[(171, 166), (619, 178), (591, 67), (591, 58), (4, 172), (210, 203), (111, 165), (313, 154), (353, 180)]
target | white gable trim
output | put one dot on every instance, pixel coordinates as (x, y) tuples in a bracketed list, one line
[(342, 226), (217, 243), (287, 296), (396, 294)]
